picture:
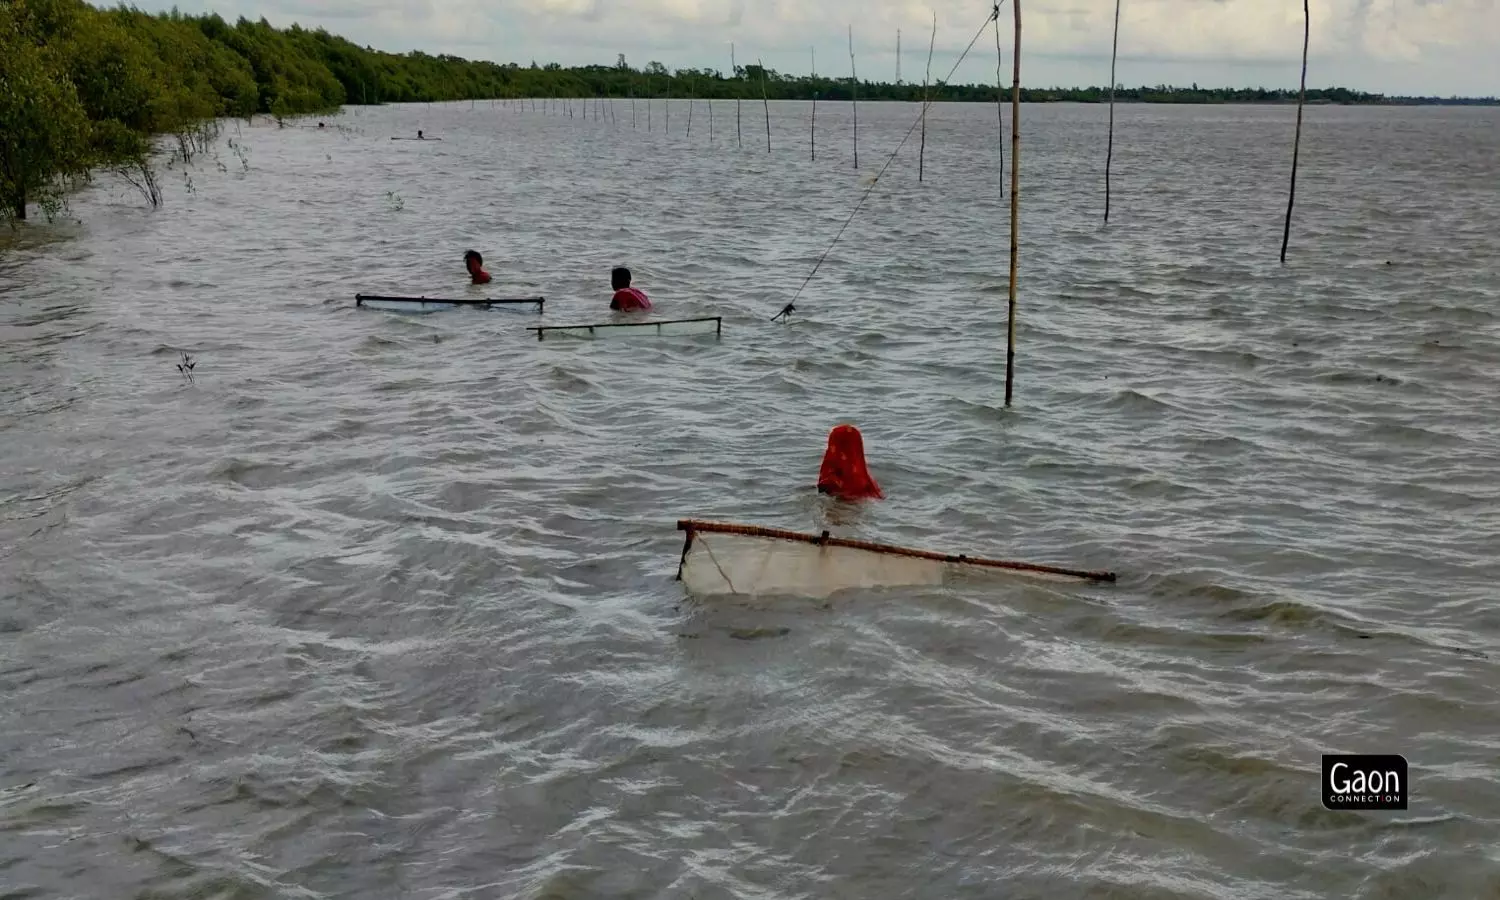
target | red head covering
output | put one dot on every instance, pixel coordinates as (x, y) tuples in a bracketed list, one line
[(844, 474)]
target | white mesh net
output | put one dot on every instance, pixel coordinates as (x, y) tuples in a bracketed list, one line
[(749, 561), (665, 328), (423, 305)]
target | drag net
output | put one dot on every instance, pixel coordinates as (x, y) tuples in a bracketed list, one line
[(424, 305), (666, 328), (747, 560)]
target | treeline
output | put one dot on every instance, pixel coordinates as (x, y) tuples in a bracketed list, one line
[(753, 82), (83, 88)]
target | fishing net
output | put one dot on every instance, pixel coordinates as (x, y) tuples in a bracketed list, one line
[(747, 560), (665, 328), (436, 304)]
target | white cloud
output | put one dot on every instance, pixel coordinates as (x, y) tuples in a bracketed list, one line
[(1445, 46)]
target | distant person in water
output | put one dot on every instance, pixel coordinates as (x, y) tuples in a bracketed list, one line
[(419, 135), (626, 298), (843, 474), (475, 264)]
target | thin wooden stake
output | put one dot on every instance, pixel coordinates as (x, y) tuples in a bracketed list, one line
[(814, 130), (765, 98), (734, 70), (692, 91), (1286, 234), (854, 95), (1000, 103), (1015, 206), (1109, 153), (922, 154)]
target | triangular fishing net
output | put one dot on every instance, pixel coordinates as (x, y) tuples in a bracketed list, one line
[(663, 328), (747, 560)]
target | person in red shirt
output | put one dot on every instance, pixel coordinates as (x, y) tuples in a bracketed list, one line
[(843, 474), (627, 298), (475, 264)]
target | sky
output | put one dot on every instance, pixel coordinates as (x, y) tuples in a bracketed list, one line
[(1414, 47)]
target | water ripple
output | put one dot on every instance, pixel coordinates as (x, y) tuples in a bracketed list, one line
[(381, 605)]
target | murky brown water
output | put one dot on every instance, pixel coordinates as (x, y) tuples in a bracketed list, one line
[(381, 606)]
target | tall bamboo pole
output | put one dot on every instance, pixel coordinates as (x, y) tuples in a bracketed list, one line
[(926, 79), (1109, 153), (765, 99), (692, 93), (813, 132), (1015, 206), (854, 95), (734, 70), (1000, 102), (1286, 233)]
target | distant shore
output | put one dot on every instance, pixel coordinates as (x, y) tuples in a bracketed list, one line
[(966, 94)]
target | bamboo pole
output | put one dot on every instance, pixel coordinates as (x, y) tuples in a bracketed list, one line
[(1015, 206), (1286, 233), (854, 95), (734, 70), (922, 154), (813, 132), (1000, 102), (765, 99), (1109, 153), (692, 91)]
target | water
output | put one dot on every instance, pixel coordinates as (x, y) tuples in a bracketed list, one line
[(382, 606)]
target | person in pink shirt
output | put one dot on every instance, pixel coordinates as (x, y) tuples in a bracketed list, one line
[(627, 298)]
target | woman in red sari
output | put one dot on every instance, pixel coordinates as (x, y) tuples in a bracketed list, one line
[(844, 474)]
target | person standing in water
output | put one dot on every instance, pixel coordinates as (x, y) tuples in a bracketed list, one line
[(475, 264), (626, 298), (843, 474)]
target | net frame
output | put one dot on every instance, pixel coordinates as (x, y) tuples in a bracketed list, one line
[(691, 527), (434, 304), (590, 330)]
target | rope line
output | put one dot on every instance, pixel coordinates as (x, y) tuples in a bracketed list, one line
[(791, 307)]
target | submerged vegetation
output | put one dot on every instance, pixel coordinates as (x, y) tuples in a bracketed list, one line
[(84, 88)]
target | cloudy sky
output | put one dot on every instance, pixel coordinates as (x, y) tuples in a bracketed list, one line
[(1438, 47)]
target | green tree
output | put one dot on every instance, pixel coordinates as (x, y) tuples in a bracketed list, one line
[(44, 132)]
